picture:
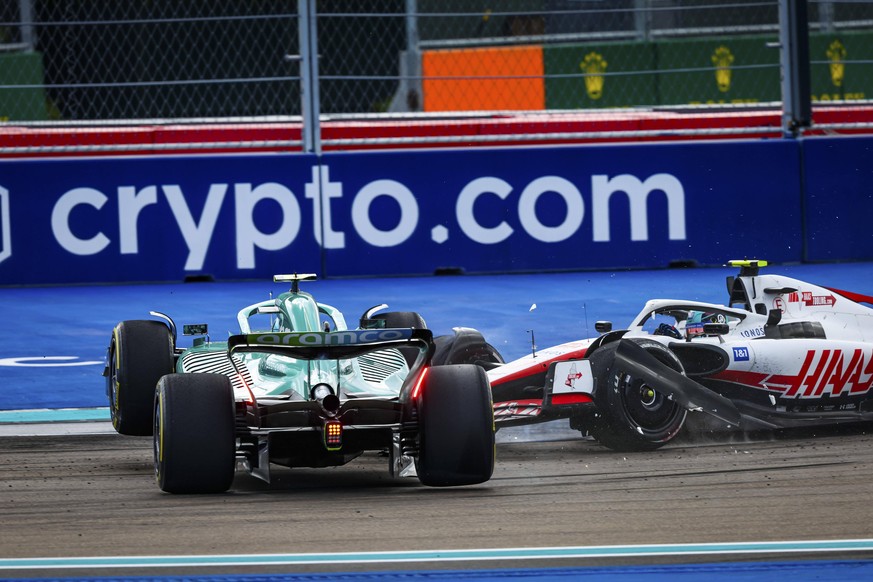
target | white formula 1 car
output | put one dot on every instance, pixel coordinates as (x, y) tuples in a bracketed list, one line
[(781, 353)]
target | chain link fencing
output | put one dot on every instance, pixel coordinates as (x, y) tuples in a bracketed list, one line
[(109, 60), (87, 62)]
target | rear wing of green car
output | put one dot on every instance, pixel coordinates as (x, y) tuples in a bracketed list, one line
[(315, 345)]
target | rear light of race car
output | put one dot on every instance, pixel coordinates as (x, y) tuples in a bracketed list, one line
[(249, 396), (416, 390), (333, 435)]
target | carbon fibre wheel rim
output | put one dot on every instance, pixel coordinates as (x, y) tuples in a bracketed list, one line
[(649, 409)]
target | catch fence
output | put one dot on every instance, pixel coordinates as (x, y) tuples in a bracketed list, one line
[(268, 73)]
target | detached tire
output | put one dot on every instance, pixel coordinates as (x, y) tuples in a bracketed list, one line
[(140, 352), (456, 427), (632, 415), (194, 440)]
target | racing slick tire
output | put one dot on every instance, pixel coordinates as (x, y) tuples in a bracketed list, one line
[(456, 427), (404, 319), (466, 346), (140, 352), (194, 434), (631, 415)]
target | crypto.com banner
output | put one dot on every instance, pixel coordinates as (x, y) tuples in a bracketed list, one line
[(391, 213)]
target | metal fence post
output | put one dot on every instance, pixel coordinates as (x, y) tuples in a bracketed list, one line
[(642, 19), (413, 57), (794, 57), (309, 100), (409, 96), (25, 10)]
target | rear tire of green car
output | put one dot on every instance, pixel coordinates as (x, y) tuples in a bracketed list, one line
[(140, 352), (194, 434), (456, 427)]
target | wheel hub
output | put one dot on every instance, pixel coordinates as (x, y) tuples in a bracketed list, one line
[(647, 395)]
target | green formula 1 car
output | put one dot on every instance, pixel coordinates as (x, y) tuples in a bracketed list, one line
[(297, 388)]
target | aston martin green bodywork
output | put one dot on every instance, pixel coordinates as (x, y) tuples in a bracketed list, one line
[(298, 388)]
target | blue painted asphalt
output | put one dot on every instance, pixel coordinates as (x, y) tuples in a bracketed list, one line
[(445, 556), (51, 360), (54, 345), (820, 571)]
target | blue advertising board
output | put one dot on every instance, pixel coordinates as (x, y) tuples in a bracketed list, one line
[(155, 218), (398, 212), (556, 208), (839, 198)]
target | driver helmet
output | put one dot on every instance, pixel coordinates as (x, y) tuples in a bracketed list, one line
[(697, 319), (668, 330)]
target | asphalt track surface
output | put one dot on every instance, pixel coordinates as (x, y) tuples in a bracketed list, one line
[(94, 496), (713, 505)]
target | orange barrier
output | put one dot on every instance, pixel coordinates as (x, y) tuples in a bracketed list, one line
[(465, 80)]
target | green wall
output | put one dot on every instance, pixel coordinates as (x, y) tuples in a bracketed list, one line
[(22, 104), (749, 71), (569, 89)]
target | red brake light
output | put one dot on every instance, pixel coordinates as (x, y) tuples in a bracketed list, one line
[(250, 398), (418, 383)]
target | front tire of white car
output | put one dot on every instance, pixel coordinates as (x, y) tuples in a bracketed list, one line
[(403, 320), (631, 414)]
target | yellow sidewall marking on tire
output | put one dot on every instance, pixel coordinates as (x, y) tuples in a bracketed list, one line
[(115, 399), (160, 426)]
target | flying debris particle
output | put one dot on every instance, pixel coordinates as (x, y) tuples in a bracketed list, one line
[(639, 430), (532, 307)]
